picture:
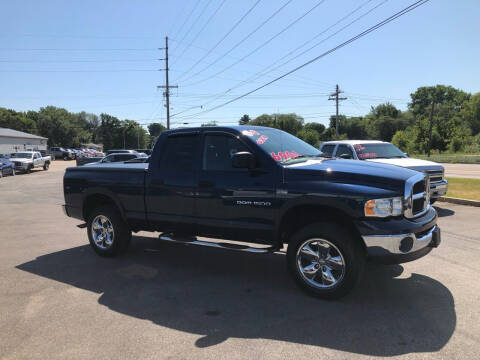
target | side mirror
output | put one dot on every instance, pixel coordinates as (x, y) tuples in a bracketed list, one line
[(406, 154), (346, 156), (243, 160)]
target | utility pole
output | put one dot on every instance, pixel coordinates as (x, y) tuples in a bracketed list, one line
[(167, 87), (334, 96), (430, 128)]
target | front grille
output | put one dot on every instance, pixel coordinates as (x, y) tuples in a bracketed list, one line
[(417, 195), (419, 187), (17, 163), (435, 176)]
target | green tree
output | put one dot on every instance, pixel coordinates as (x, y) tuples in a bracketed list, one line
[(155, 129), (244, 120), (309, 136)]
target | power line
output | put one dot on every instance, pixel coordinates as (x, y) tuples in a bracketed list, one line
[(356, 37), (188, 17), (266, 42), (223, 38), (77, 49), (193, 24)]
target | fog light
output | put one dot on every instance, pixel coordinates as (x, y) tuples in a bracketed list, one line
[(406, 244)]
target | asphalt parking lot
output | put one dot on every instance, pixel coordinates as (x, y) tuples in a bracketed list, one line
[(58, 300)]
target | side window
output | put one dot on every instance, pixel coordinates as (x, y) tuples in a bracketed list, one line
[(178, 159), (218, 150), (328, 149), (344, 149)]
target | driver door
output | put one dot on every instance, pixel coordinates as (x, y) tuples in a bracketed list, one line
[(232, 203)]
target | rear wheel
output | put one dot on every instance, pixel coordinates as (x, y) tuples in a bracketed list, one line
[(46, 165), (65, 157), (108, 233), (325, 260)]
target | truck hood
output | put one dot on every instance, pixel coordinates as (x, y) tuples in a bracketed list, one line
[(355, 172), (22, 160), (411, 163)]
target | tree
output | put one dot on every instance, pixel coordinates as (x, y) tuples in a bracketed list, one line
[(155, 129), (309, 136), (244, 120)]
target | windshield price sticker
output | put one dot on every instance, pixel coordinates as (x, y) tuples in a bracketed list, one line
[(262, 139), (284, 155), (367, 155), (250, 132)]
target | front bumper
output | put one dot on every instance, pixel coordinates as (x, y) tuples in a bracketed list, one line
[(400, 240), (438, 189), (22, 166)]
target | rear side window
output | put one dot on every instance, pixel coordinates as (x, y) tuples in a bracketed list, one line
[(177, 163), (328, 149)]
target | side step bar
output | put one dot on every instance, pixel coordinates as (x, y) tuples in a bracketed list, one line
[(230, 246)]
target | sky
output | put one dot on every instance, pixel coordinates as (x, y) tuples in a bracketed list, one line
[(103, 56)]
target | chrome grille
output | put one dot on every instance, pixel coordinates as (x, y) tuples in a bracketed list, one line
[(435, 175), (417, 195)]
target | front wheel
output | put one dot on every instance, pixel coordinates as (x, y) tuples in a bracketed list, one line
[(432, 201), (325, 260), (29, 169), (108, 233)]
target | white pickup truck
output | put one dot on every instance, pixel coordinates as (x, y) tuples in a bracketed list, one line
[(387, 153), (27, 160)]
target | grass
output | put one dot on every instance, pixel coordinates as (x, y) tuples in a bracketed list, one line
[(450, 158), (464, 188)]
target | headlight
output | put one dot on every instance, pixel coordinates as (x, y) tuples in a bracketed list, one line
[(384, 207), (1, 163)]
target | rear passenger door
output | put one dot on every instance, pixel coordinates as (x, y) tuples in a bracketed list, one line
[(172, 184)]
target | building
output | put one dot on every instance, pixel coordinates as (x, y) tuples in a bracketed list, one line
[(13, 141)]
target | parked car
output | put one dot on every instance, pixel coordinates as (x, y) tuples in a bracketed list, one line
[(145, 151), (61, 153), (261, 186), (27, 160), (121, 151), (6, 166), (117, 158), (387, 153)]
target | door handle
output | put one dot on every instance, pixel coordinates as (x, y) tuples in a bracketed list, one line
[(206, 183)]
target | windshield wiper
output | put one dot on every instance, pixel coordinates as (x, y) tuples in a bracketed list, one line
[(300, 157)]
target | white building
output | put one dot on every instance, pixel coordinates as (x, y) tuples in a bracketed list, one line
[(13, 141)]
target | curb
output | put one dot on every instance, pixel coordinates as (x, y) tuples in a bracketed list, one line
[(459, 201)]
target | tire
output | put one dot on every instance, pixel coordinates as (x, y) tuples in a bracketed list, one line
[(29, 169), (336, 254), (116, 240), (65, 157), (13, 171), (46, 165), (1, 173), (432, 201)]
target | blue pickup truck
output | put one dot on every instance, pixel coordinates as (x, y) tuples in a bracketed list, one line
[(263, 187)]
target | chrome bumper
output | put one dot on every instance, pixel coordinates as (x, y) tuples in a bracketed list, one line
[(401, 244), (438, 189)]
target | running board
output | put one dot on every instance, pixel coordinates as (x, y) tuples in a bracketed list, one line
[(229, 246)]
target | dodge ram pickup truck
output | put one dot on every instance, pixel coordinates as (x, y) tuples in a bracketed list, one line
[(263, 187), (27, 160)]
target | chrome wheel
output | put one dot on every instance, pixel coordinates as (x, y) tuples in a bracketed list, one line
[(102, 232), (320, 263)]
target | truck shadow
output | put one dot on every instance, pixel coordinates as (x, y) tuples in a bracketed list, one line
[(220, 294), (443, 212)]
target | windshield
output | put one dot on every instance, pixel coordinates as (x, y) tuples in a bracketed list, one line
[(280, 145), (378, 151), (22, 156)]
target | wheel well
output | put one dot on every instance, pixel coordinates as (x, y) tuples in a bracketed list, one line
[(95, 200), (302, 215)]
